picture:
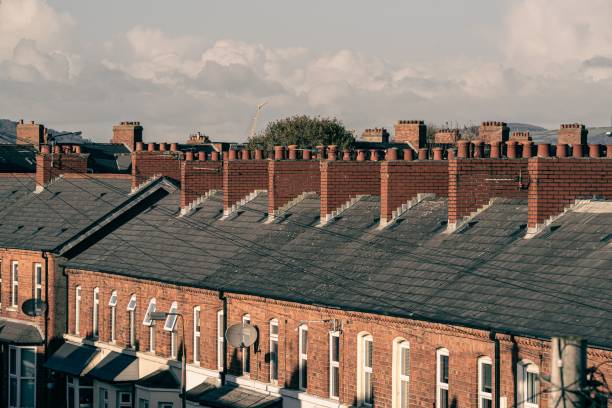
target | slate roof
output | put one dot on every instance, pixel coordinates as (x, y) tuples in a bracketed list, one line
[(108, 157), (66, 207), (14, 186), (17, 158), (12, 332), (71, 358)]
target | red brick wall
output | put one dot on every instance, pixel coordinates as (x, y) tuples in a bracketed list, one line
[(288, 179), (344, 180), (557, 182), (572, 133), (401, 181), (493, 132), (448, 136), (241, 178), (465, 345), (50, 166), (30, 133), (128, 133), (146, 164), (413, 131), (198, 178), (473, 182)]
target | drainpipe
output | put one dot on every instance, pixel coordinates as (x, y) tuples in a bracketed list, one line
[(496, 368), (46, 343), (224, 372)]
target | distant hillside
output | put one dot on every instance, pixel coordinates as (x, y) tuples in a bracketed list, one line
[(8, 133), (522, 127)]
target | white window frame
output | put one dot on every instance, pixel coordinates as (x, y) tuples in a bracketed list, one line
[(95, 313), (103, 401), (483, 395), (334, 364), (440, 386), (143, 403), (77, 310), (246, 351), (37, 292), (14, 283), (303, 357), (400, 378), (526, 367), (197, 331), (17, 375), (124, 404), (274, 359), (170, 326), (131, 308), (112, 303), (220, 340), (148, 322), (364, 371)]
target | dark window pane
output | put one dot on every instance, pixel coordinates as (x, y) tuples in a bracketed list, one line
[(487, 382), (444, 369), (368, 353), (304, 373), (335, 354), (486, 403), (335, 389), (405, 357), (443, 399), (304, 341)]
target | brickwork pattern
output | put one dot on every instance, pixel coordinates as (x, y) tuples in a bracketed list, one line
[(287, 179), (413, 131), (446, 136), (30, 133), (474, 182), (50, 166), (198, 178), (147, 164), (572, 134), (241, 178), (557, 182), (342, 181), (402, 181), (128, 133), (493, 131)]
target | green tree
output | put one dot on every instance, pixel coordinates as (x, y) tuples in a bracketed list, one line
[(303, 131)]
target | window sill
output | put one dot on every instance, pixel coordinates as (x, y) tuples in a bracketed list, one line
[(11, 308)]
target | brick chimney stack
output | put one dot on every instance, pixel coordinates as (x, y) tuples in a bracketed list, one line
[(128, 133), (31, 133), (494, 131), (446, 136), (375, 135), (572, 134), (412, 131)]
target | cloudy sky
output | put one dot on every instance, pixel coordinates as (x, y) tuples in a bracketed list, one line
[(181, 66)]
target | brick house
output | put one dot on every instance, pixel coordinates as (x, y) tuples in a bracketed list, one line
[(392, 283)]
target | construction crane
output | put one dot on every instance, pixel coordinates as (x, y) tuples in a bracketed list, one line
[(253, 127)]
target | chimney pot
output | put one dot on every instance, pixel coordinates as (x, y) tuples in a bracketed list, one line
[(77, 149), (189, 156), (331, 152), (463, 149), (609, 151), (163, 147), (306, 154), (246, 154), (214, 156), (495, 150), (511, 151), (232, 154), (543, 150), (423, 153), (57, 149), (279, 152), (360, 155), (225, 155), (561, 150), (139, 146), (21, 121), (478, 145), (292, 152), (374, 154), (202, 156), (391, 154), (45, 149), (594, 150), (346, 155), (527, 149), (258, 154), (173, 147), (151, 147), (450, 154), (437, 153), (320, 152), (408, 155), (577, 150), (31, 122)]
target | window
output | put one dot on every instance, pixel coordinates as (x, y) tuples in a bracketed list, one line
[(124, 399), (112, 303), (169, 326), (246, 351), (143, 403), (131, 308), (401, 373), (274, 351), (22, 377), (80, 392), (528, 385), (14, 283), (485, 383), (442, 378), (77, 310), (303, 360), (196, 334), (148, 322), (96, 306), (103, 398), (334, 364), (365, 387), (37, 288), (164, 405), (220, 337)]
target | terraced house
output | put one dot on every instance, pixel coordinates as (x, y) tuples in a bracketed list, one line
[(435, 275)]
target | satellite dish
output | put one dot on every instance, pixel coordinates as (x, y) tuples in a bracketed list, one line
[(241, 335), (34, 307)]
